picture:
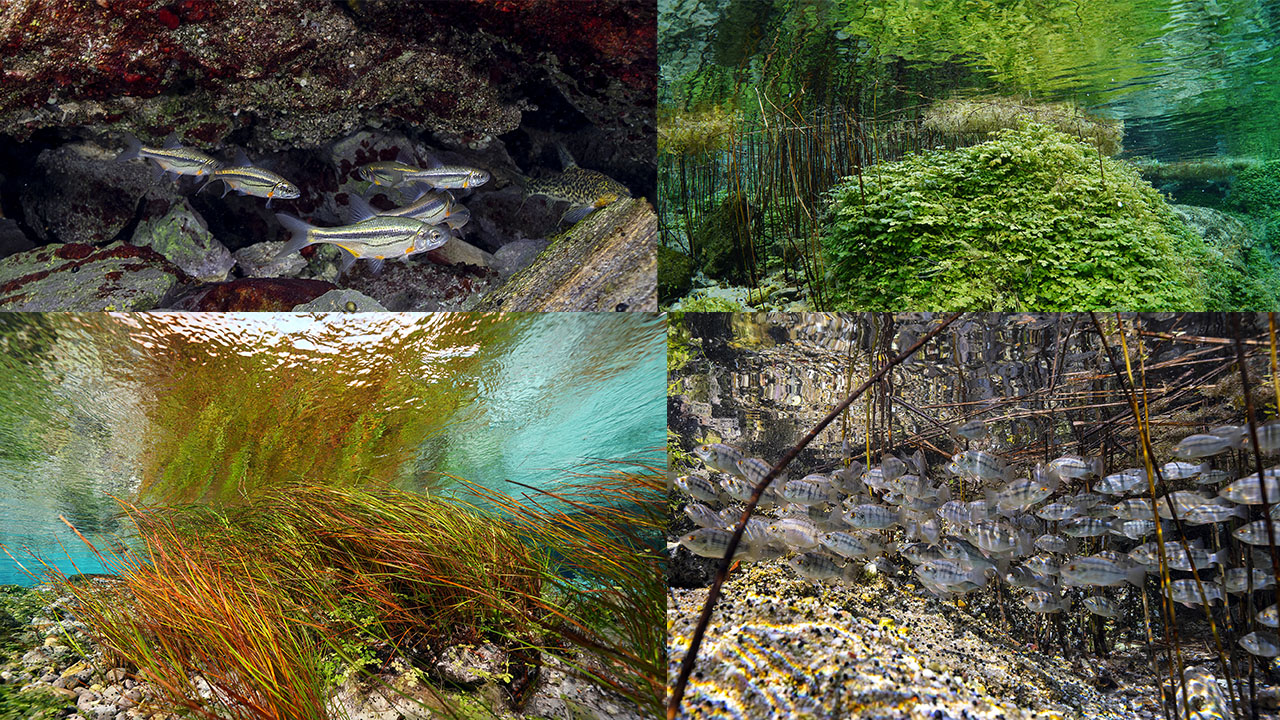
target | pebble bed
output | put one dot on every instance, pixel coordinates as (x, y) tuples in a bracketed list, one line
[(782, 646), (57, 671)]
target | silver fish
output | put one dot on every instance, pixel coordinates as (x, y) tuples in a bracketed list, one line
[(1092, 570), (246, 179), (1198, 446), (448, 177), (1056, 511), (1255, 533), (1248, 489), (972, 430), (1262, 644), (172, 158), (699, 487), (819, 567), (798, 534), (702, 515), (713, 543), (1182, 470), (718, 456), (1100, 606), (376, 239)]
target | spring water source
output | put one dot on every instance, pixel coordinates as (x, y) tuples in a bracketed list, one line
[(209, 408)]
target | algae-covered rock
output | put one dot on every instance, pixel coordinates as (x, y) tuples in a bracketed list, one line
[(303, 68), (263, 260), (1217, 227), (78, 277), (988, 114), (183, 237), (720, 239), (1031, 219), (675, 274), (341, 300), (605, 262)]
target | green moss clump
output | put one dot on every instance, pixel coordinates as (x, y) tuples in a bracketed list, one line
[(711, 304), (675, 274), (722, 238), (1256, 190), (1031, 219), (989, 114)]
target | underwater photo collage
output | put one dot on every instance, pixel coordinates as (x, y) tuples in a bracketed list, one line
[(628, 359)]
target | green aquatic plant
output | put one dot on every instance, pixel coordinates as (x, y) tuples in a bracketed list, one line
[(272, 601), (695, 131), (1031, 219), (1256, 190), (992, 113), (710, 303)]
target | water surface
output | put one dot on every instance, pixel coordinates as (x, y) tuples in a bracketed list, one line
[(212, 408)]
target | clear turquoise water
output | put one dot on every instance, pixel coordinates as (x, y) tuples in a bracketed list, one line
[(93, 406)]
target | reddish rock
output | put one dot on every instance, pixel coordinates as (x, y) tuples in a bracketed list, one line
[(79, 277), (301, 67), (252, 295)]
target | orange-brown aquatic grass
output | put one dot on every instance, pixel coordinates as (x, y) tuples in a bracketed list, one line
[(251, 611)]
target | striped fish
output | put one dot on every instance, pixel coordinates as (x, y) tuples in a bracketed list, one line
[(172, 158), (374, 238), (433, 208), (387, 172), (448, 177), (248, 180)]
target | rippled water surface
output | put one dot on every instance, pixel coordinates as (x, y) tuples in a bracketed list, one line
[(209, 408), (1190, 78)]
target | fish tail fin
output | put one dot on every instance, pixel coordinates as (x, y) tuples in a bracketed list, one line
[(133, 149), (1136, 575), (575, 214), (1095, 466), (566, 159), (301, 234)]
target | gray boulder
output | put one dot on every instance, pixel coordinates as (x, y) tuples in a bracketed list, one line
[(183, 237), (77, 277)]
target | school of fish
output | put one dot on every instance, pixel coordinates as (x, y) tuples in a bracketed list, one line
[(1041, 530), (427, 222)]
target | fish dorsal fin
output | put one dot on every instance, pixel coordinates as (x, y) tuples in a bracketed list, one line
[(566, 160), (361, 210), (432, 162), (171, 142), (404, 157), (241, 159)]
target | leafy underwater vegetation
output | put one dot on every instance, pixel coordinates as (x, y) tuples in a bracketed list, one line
[(274, 601), (766, 106), (1032, 218)]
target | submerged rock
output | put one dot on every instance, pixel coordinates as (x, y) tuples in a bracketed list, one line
[(260, 260), (468, 665), (78, 193), (516, 256), (302, 68), (1215, 226), (252, 295), (12, 239), (607, 261), (183, 237), (78, 277), (341, 300), (419, 285)]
